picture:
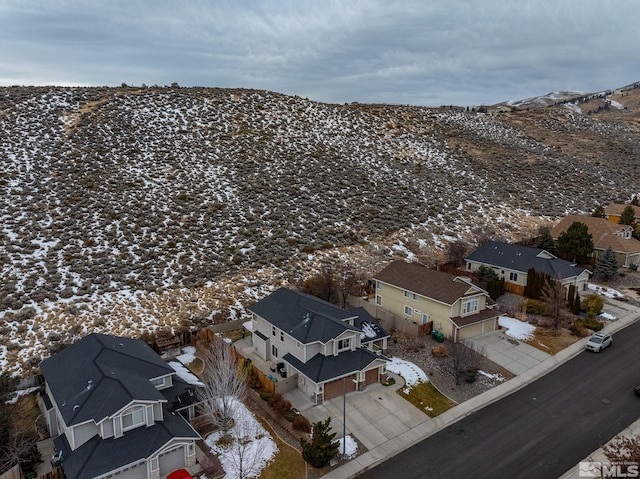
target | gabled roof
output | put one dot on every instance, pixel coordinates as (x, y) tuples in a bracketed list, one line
[(430, 283), (100, 374), (304, 317), (616, 209), (322, 368), (522, 258), (99, 456), (603, 233)]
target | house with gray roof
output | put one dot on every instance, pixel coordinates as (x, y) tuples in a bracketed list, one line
[(413, 294), (324, 347), (111, 404), (512, 262)]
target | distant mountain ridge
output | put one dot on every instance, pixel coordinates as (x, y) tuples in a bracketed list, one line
[(111, 190)]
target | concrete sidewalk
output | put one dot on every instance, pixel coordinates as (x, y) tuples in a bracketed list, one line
[(381, 453)]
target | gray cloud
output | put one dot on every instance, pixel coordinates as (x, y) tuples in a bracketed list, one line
[(464, 52)]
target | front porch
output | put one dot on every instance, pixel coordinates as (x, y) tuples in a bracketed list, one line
[(281, 383)]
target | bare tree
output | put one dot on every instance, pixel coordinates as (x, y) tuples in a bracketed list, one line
[(624, 450), (346, 280), (457, 250), (224, 384), (555, 295), (462, 362), (244, 455)]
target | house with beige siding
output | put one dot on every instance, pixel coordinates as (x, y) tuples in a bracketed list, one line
[(605, 234), (327, 349), (512, 263), (111, 406), (451, 304)]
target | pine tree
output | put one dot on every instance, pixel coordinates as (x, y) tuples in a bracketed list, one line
[(531, 280), (321, 449), (571, 297), (546, 243), (628, 216), (576, 242), (598, 212), (576, 304), (607, 265)]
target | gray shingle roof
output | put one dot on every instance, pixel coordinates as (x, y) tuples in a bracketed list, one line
[(100, 374), (304, 317), (522, 258), (326, 368)]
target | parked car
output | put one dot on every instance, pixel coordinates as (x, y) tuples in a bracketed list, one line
[(598, 342), (180, 474)]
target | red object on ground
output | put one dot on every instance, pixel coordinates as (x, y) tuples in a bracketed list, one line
[(180, 474)]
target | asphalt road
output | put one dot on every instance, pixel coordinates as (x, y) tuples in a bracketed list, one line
[(540, 431)]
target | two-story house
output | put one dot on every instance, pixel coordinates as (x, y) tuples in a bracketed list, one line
[(605, 234), (109, 403), (415, 294), (329, 349), (512, 262)]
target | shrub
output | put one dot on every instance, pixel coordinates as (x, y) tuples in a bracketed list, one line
[(440, 351), (536, 307), (301, 423), (265, 396), (592, 324), (279, 403), (592, 305), (577, 328)]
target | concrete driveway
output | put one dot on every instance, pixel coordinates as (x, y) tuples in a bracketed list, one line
[(513, 355), (374, 416)]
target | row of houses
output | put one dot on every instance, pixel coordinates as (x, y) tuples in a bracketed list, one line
[(116, 408)]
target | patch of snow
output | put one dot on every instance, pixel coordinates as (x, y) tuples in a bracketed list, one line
[(367, 331), (497, 377), (609, 316), (605, 291), (411, 373), (188, 355), (350, 447), (517, 329), (183, 373)]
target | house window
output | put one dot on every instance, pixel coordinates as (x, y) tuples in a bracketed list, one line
[(407, 294), (281, 336), (298, 344), (274, 351), (133, 419), (154, 463), (425, 318), (273, 331), (414, 296), (408, 310), (468, 266), (378, 300), (158, 382), (344, 344), (513, 276), (378, 285), (469, 305)]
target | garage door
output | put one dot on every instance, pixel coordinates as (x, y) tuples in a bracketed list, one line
[(371, 376), (334, 389), (171, 460)]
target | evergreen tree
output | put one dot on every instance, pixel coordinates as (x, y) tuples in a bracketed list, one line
[(576, 242), (531, 280), (607, 265), (571, 297), (321, 449), (628, 216), (546, 242), (598, 212)]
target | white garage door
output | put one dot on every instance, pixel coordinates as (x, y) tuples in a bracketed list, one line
[(171, 460)]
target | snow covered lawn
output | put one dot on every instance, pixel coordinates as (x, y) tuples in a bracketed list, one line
[(411, 373), (517, 329), (606, 292), (250, 449)]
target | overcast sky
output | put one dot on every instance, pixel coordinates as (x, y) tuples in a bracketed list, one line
[(423, 52)]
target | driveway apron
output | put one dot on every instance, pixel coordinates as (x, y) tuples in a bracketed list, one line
[(512, 354)]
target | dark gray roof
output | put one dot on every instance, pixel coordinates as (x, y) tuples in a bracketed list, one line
[(100, 374), (522, 258), (306, 318), (100, 456), (322, 368), (371, 330)]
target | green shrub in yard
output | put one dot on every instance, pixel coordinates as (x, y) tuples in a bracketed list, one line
[(592, 324), (535, 306), (265, 396), (592, 305)]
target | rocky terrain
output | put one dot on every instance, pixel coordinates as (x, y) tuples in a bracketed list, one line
[(144, 210)]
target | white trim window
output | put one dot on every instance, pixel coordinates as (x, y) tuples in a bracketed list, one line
[(425, 318), (378, 285), (408, 310), (470, 305), (513, 276), (378, 300), (414, 296), (133, 419), (407, 294), (344, 344), (158, 382)]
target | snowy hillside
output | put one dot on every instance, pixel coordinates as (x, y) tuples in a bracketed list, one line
[(136, 210)]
